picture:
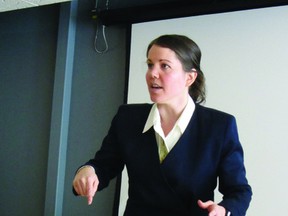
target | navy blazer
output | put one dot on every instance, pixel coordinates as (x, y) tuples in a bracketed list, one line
[(208, 149)]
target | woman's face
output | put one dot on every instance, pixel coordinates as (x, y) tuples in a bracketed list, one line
[(167, 82)]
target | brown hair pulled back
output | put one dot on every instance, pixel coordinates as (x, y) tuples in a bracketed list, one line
[(189, 54)]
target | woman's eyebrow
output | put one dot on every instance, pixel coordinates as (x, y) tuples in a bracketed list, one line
[(160, 60), (166, 60)]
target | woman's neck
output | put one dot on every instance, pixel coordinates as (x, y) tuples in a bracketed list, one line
[(169, 115)]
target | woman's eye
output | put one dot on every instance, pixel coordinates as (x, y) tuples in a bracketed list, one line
[(149, 65), (165, 66)]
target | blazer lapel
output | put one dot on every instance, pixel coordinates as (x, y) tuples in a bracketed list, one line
[(178, 164)]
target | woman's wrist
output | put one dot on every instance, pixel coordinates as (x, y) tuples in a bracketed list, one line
[(85, 166)]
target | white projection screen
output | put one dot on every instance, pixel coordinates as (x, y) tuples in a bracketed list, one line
[(245, 61)]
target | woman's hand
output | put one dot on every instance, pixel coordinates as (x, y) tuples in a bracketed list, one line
[(86, 183), (212, 208)]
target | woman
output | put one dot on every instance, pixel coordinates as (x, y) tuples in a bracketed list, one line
[(174, 149)]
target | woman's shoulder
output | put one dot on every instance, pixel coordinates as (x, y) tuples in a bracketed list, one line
[(136, 106), (212, 112), (134, 110)]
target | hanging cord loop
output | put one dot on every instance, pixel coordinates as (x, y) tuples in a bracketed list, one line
[(99, 26), (106, 47)]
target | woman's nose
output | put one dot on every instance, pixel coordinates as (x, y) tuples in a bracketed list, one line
[(154, 73)]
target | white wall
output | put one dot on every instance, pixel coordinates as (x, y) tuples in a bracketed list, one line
[(245, 61)]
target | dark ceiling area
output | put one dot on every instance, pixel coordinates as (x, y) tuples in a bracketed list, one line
[(176, 9)]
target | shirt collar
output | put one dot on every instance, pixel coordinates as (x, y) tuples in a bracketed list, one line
[(182, 122), (152, 118), (186, 115)]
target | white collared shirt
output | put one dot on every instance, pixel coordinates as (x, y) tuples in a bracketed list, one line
[(181, 124)]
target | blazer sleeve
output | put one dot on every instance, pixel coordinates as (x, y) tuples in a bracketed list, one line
[(232, 174), (108, 162)]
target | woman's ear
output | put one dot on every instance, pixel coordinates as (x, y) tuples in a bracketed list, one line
[(191, 77)]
